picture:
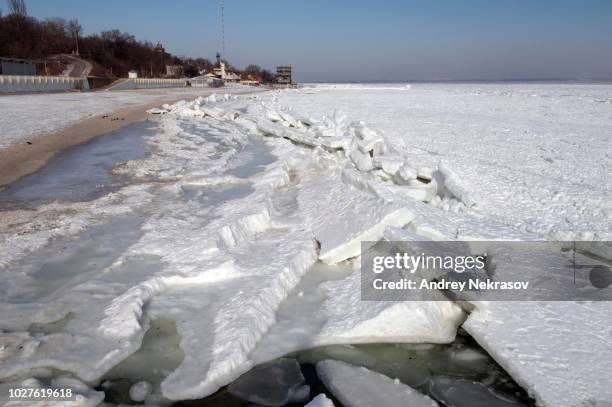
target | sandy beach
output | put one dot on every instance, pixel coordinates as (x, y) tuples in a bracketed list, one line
[(34, 151)]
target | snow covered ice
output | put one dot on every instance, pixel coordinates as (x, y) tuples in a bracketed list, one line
[(320, 401), (243, 224), (359, 387)]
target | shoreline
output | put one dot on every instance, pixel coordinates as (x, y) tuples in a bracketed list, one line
[(28, 156)]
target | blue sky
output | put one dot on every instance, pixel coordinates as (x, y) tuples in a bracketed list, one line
[(334, 40)]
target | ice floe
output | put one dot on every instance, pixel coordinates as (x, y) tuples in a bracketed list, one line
[(359, 387), (320, 401)]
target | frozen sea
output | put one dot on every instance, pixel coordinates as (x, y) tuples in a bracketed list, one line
[(233, 225)]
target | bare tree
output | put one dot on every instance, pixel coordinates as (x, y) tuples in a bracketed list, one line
[(253, 68), (17, 8), (75, 29), (267, 76)]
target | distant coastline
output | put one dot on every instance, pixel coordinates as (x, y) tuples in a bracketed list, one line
[(468, 81)]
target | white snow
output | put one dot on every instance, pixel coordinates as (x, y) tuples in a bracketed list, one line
[(244, 226), (533, 157), (359, 387)]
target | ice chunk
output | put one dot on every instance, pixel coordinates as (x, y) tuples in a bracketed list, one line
[(140, 390), (375, 146), (423, 192), (273, 384), (273, 115), (362, 161), (425, 173), (453, 184), (340, 235), (288, 118), (365, 133), (211, 111), (368, 140), (320, 401), (413, 190), (389, 164), (357, 386), (351, 320), (326, 308), (277, 130), (334, 143), (465, 393), (560, 358), (156, 110), (405, 174)]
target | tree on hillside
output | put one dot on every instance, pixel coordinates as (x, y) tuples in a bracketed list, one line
[(17, 8), (74, 29), (267, 76), (113, 53), (253, 68), (190, 70)]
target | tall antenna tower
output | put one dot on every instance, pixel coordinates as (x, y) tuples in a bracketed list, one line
[(222, 30)]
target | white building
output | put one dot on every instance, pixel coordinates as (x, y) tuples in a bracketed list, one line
[(220, 71), (133, 74), (231, 77)]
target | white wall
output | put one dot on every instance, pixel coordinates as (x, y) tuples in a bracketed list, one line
[(145, 83), (206, 83), (22, 83)]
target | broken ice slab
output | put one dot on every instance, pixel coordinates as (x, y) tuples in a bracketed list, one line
[(320, 401), (326, 308), (405, 174), (274, 384), (359, 387), (342, 217), (465, 393), (268, 128), (560, 351), (453, 183)]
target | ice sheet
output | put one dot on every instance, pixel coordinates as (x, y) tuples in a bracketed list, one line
[(221, 225)]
